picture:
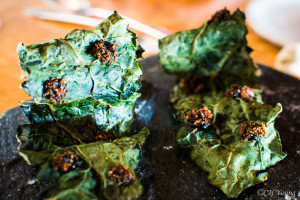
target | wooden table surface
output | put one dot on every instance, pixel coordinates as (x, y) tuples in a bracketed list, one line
[(170, 15)]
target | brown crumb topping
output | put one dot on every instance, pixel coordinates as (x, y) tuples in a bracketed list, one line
[(104, 136), (194, 85), (243, 92), (120, 174), (106, 51), (252, 131), (65, 162), (201, 118), (55, 89), (221, 15)]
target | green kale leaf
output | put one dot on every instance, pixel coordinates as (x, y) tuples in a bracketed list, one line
[(212, 64), (114, 117), (234, 165), (106, 76), (70, 78), (88, 179), (84, 89), (214, 48)]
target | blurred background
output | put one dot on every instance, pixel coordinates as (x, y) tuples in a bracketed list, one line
[(167, 16)]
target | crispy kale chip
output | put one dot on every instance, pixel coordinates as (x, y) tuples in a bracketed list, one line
[(214, 48), (232, 163), (85, 68), (81, 170), (90, 73), (84, 89), (115, 117), (224, 122)]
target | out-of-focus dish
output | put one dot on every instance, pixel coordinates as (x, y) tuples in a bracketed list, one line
[(275, 20)]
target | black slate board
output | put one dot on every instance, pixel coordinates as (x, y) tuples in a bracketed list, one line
[(166, 171)]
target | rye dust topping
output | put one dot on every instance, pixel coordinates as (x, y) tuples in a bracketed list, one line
[(193, 85), (221, 15), (201, 118), (65, 162), (121, 175), (55, 89), (252, 131), (243, 92), (104, 136), (106, 51)]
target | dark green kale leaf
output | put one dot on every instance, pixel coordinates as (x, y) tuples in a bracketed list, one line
[(41, 145), (84, 89), (216, 54), (91, 74), (233, 164), (183, 103), (215, 47), (212, 65), (114, 117), (111, 75)]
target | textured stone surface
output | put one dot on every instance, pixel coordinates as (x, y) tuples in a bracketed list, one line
[(166, 171)]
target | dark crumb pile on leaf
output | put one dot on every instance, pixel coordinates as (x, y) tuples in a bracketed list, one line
[(120, 175), (201, 118), (243, 92), (104, 136), (65, 162), (106, 51), (55, 89), (221, 15), (194, 85), (252, 131)]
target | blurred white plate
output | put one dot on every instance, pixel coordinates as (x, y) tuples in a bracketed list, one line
[(275, 20)]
